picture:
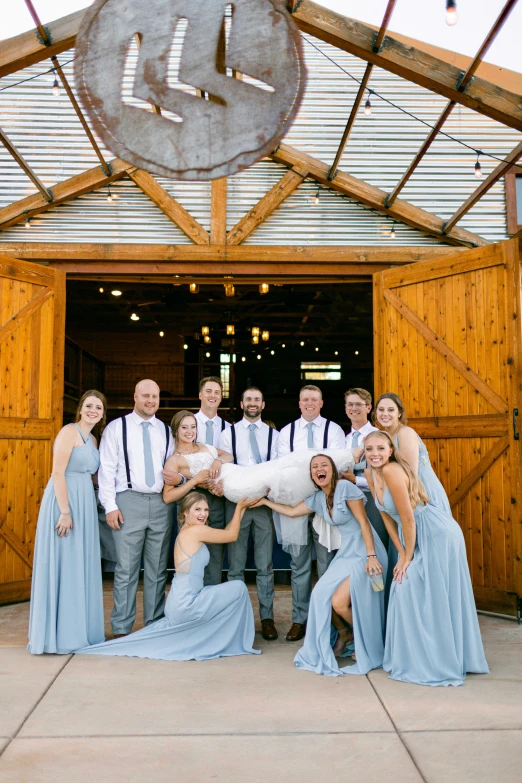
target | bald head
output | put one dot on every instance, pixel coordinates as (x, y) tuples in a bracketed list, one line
[(146, 398)]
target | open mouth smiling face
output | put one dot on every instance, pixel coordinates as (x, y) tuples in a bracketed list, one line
[(321, 471)]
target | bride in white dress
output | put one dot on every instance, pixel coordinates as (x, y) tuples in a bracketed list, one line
[(287, 480)]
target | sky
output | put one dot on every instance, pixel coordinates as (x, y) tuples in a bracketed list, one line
[(421, 19)]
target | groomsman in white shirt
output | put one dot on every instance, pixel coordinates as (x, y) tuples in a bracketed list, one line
[(311, 431), (251, 441), (133, 451), (210, 427), (358, 404)]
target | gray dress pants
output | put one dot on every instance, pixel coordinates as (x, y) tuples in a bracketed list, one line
[(146, 529), (217, 519), (259, 520), (301, 567)]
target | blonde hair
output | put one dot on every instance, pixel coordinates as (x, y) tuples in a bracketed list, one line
[(100, 426), (416, 491), (186, 504)]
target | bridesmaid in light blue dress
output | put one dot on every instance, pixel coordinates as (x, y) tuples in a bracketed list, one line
[(200, 622), (391, 415), (66, 596), (347, 584), (432, 631)]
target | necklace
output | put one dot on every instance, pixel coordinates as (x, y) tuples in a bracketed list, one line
[(186, 453)]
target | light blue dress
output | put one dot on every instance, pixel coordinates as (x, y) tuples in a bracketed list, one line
[(432, 632), (66, 595), (316, 655), (432, 484), (200, 622)]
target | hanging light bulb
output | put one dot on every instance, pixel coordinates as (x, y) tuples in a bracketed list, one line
[(28, 222), (205, 331), (134, 317), (392, 233), (272, 353), (258, 355), (185, 347), (162, 334), (243, 358), (478, 169), (229, 289), (255, 331), (317, 198), (301, 343), (283, 346), (109, 197), (357, 353), (368, 106), (255, 339), (101, 290), (265, 336), (264, 288), (207, 355), (194, 288), (231, 329), (317, 349), (451, 12), (207, 339), (336, 353), (56, 87)]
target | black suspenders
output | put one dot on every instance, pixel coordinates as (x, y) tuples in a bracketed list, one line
[(126, 450), (234, 447), (325, 436)]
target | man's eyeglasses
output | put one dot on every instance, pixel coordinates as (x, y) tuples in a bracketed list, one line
[(356, 405)]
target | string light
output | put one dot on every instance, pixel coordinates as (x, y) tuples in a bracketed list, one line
[(283, 346), (229, 289), (317, 197), (392, 233), (301, 343), (451, 12), (134, 317), (255, 331), (272, 352), (101, 290), (207, 339), (368, 105), (162, 334), (207, 355), (109, 197), (265, 336), (317, 349), (336, 353), (116, 292), (231, 329), (194, 288), (185, 347), (478, 169), (264, 288), (357, 353), (255, 339), (258, 355), (205, 331), (56, 87), (28, 222), (243, 358)]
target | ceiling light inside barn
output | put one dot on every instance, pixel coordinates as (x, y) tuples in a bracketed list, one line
[(135, 317), (116, 292)]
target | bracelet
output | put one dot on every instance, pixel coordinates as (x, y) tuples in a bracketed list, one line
[(183, 480), (368, 556), (218, 459), (65, 513)]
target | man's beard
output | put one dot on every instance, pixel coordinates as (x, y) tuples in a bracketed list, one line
[(252, 414)]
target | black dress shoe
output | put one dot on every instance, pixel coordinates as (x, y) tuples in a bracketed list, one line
[(296, 632), (268, 630)]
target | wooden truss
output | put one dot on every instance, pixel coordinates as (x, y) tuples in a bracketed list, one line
[(377, 48)]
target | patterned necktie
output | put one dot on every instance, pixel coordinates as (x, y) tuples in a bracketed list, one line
[(210, 433), (253, 443), (310, 426), (355, 439), (147, 451)]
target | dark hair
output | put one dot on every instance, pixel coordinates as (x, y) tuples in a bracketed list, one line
[(208, 379), (186, 503), (177, 419), (362, 393), (310, 387), (252, 388), (335, 477), (398, 402), (100, 426)]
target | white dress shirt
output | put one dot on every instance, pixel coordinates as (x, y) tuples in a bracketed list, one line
[(243, 448), (335, 436), (112, 476), (365, 430), (201, 421)]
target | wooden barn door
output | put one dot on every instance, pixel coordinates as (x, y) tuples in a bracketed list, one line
[(32, 335), (448, 341)]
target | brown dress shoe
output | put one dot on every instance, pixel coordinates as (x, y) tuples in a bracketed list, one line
[(296, 632), (268, 630)]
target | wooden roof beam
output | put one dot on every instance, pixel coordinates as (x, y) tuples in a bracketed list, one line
[(266, 206), (170, 206), (410, 63), (63, 191), (12, 150), (463, 83), (46, 38), (483, 188), (373, 197), (360, 93)]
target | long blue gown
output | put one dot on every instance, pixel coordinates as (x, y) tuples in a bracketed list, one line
[(432, 484), (200, 622), (432, 632), (66, 595), (316, 655)]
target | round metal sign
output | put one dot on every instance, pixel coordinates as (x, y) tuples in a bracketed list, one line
[(226, 116)]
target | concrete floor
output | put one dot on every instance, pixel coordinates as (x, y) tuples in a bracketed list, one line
[(253, 719)]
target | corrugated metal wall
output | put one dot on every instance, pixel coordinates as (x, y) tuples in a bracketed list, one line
[(49, 135)]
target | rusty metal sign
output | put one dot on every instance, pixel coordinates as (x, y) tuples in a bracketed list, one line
[(222, 123)]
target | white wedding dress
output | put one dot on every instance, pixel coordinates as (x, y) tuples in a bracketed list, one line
[(289, 482)]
